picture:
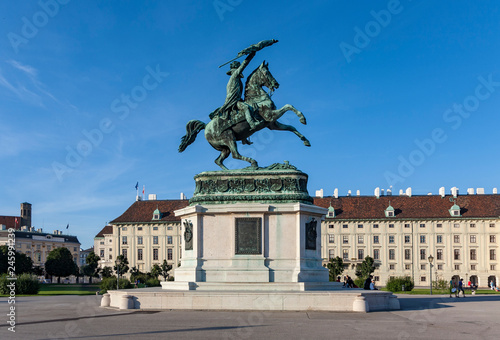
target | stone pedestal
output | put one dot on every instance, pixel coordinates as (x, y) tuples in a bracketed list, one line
[(251, 226)]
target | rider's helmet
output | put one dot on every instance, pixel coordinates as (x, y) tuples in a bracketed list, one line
[(234, 65)]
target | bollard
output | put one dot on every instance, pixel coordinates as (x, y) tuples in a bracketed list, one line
[(126, 302), (360, 305), (106, 300)]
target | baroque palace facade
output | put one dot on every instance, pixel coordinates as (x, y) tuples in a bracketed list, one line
[(399, 232)]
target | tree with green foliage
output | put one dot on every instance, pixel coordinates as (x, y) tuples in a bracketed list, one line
[(106, 272), (164, 269), (92, 266), (60, 263), (23, 263), (155, 271), (123, 267), (335, 268), (365, 268)]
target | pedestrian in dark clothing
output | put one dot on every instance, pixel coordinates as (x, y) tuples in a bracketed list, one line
[(461, 288)]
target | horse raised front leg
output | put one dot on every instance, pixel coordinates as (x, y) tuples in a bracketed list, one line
[(236, 155), (223, 155), (287, 107), (284, 127)]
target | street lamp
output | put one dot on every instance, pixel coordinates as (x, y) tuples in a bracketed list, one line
[(117, 263), (430, 258)]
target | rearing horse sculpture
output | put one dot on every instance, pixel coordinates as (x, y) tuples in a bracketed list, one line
[(223, 134)]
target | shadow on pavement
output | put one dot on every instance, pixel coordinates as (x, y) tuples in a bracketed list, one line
[(427, 302)]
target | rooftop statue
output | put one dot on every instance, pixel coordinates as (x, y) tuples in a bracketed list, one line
[(237, 119)]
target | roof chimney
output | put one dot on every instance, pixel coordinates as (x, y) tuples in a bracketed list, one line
[(480, 191), (138, 198), (389, 191), (408, 192), (454, 191), (358, 193), (470, 191), (336, 193), (381, 192), (377, 192), (349, 193), (495, 191), (152, 197), (401, 193), (319, 193), (442, 192)]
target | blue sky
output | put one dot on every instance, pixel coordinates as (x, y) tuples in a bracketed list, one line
[(403, 93)]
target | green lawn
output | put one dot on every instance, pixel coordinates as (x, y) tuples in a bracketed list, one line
[(68, 289), (423, 291)]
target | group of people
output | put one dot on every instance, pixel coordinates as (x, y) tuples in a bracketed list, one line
[(457, 287), (369, 284), (348, 282)]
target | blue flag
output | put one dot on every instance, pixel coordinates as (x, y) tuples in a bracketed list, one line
[(137, 186), (67, 226)]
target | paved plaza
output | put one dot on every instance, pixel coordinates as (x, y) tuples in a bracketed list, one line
[(420, 317)]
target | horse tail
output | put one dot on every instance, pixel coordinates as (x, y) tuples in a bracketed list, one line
[(192, 129)]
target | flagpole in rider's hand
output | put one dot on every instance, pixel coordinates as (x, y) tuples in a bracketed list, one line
[(252, 48)]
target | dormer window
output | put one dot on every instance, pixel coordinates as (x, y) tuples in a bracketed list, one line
[(389, 212), (455, 210), (156, 215), (331, 212)]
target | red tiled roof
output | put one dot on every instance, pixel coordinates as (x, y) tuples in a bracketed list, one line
[(142, 211), (370, 207), (10, 221), (105, 231)]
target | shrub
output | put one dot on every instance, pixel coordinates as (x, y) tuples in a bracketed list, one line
[(152, 282), (360, 282), (25, 284), (109, 283), (171, 278), (440, 284), (395, 284)]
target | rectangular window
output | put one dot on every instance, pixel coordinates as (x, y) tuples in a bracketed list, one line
[(493, 239), (422, 238), (472, 267), (375, 239), (361, 254), (391, 238), (48, 247), (344, 226), (139, 254), (124, 253), (169, 240), (472, 225), (422, 267), (456, 254), (492, 225), (422, 254), (407, 225), (407, 238), (360, 226), (124, 229), (439, 238), (473, 255), (376, 254), (493, 254), (390, 213), (391, 225), (110, 256), (422, 225), (139, 228), (456, 225), (345, 254), (155, 239), (439, 254), (440, 267), (330, 226), (345, 239), (457, 267), (155, 228), (473, 239), (101, 253), (376, 278), (439, 225), (456, 238), (407, 267), (492, 267), (331, 253), (407, 254), (423, 279), (169, 228), (170, 254), (360, 239), (392, 266), (375, 226), (124, 239), (155, 254), (139, 239), (392, 254), (331, 238)]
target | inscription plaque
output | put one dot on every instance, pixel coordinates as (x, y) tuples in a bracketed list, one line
[(248, 236), (311, 234)]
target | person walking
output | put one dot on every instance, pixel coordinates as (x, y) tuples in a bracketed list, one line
[(461, 288), (453, 289)]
